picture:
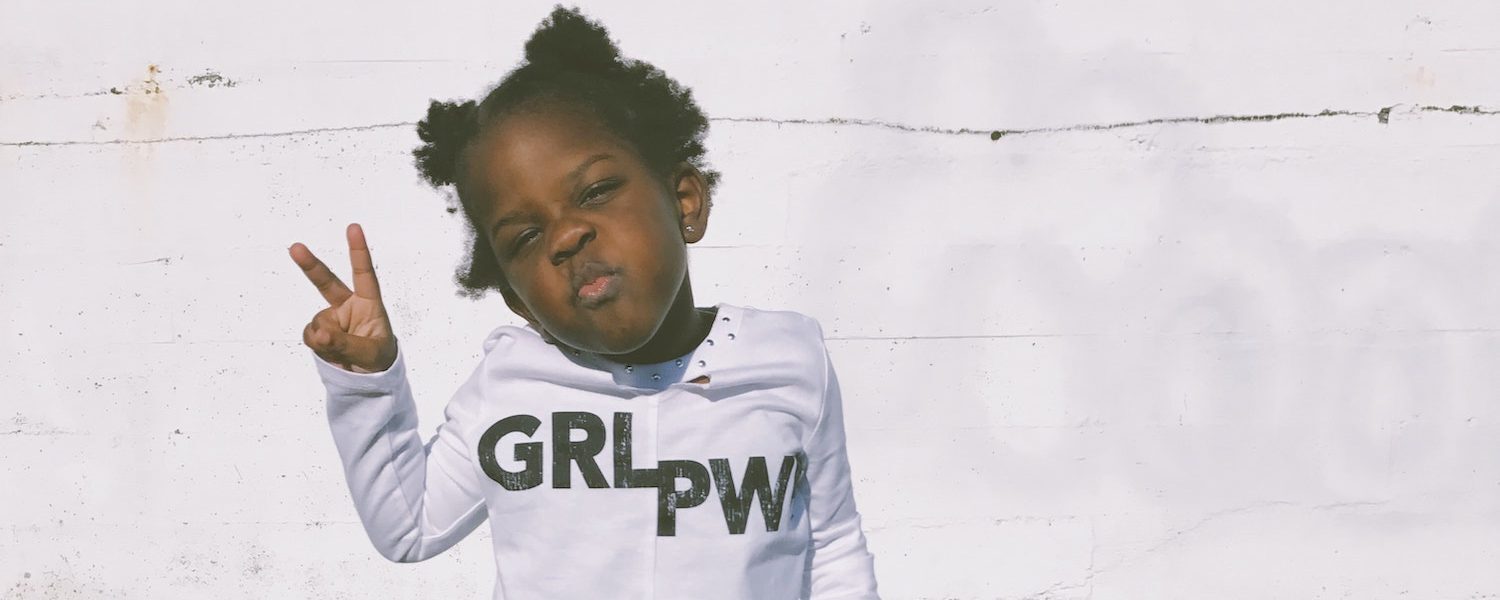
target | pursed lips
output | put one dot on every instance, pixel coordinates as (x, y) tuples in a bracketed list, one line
[(594, 283)]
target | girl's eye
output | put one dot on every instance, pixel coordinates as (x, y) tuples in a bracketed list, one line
[(526, 236), (599, 192)]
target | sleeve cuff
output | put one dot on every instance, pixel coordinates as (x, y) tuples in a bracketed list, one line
[(336, 378)]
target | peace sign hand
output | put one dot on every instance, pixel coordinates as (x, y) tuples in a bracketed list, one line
[(354, 332)]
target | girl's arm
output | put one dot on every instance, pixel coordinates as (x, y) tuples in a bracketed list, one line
[(841, 567), (415, 500)]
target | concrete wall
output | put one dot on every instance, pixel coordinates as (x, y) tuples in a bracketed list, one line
[(1177, 333)]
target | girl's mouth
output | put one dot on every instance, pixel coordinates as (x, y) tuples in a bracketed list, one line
[(596, 284), (598, 291)]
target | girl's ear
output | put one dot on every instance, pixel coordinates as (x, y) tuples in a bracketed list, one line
[(692, 201)]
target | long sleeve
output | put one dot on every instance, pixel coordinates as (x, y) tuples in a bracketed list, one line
[(415, 500), (841, 568)]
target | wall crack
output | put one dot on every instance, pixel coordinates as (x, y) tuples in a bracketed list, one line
[(1382, 116)]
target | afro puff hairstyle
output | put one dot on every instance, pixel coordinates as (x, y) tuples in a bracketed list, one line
[(569, 59)]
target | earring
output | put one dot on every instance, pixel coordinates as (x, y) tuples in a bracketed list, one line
[(689, 227)]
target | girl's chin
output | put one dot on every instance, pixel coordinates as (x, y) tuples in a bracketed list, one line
[(613, 332), (608, 343)]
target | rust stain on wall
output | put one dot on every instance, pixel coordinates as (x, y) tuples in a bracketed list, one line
[(147, 108), (1423, 77)]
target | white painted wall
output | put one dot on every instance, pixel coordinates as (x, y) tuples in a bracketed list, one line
[(1197, 359)]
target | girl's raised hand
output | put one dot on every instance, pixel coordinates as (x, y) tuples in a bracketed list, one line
[(354, 331)]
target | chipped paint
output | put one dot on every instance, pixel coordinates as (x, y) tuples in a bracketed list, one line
[(211, 79)]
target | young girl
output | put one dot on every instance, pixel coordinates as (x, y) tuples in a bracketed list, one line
[(625, 443)]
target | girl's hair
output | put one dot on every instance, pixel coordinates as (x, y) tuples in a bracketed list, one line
[(569, 60)]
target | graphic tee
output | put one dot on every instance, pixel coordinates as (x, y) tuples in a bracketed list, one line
[(607, 480)]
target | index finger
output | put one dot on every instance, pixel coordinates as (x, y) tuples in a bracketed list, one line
[(365, 283), (328, 284)]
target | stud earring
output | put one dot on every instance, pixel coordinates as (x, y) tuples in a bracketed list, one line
[(689, 227)]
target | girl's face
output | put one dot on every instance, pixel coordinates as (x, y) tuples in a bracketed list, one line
[(590, 240)]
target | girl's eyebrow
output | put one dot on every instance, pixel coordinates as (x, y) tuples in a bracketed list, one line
[(573, 176), (577, 171), (511, 217)]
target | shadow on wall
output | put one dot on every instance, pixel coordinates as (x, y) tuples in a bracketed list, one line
[(1239, 360)]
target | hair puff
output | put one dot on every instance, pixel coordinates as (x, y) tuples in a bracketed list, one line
[(568, 41), (445, 131)]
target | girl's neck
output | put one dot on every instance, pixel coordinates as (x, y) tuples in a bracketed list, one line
[(683, 329)]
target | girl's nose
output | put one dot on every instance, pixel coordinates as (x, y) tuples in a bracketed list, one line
[(570, 237)]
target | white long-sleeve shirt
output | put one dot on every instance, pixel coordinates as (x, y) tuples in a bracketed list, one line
[(563, 452)]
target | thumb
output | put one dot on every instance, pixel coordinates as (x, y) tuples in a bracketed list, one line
[(350, 352), (363, 354)]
